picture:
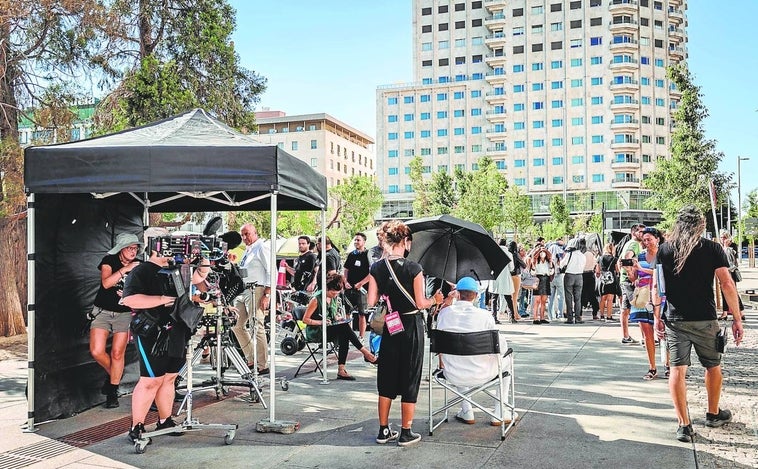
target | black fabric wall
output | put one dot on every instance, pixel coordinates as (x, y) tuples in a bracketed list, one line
[(72, 234)]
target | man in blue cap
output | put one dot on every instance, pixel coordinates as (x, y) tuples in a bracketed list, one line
[(469, 371)]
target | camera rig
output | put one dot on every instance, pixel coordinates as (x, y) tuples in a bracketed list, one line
[(226, 279)]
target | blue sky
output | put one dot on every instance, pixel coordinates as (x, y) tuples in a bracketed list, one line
[(331, 56)]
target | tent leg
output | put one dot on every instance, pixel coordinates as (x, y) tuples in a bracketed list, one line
[(322, 273), (30, 308)]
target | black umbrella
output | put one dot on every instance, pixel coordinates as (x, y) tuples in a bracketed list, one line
[(451, 248)]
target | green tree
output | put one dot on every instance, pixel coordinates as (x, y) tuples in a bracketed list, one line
[(517, 210), (560, 215), (358, 198), (45, 45), (186, 58), (683, 178), (480, 202), (422, 196), (751, 204), (442, 193), (551, 230)]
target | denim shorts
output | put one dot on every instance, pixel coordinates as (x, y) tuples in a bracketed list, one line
[(682, 335), (627, 293), (111, 321)]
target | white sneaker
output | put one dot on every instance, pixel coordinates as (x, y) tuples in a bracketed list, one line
[(465, 417), (497, 423)]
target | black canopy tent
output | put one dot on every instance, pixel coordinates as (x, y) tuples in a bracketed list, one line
[(82, 194)]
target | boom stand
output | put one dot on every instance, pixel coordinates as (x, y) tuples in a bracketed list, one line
[(225, 353), (190, 423)]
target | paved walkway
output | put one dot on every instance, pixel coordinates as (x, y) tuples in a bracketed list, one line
[(579, 391)]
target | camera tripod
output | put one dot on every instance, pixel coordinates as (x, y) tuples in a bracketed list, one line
[(224, 354)]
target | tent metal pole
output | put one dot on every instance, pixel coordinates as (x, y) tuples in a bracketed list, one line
[(322, 273), (31, 276), (272, 308)]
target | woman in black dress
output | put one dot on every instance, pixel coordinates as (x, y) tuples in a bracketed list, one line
[(609, 279), (401, 360)]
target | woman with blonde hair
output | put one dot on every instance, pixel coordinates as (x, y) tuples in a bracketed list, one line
[(402, 357)]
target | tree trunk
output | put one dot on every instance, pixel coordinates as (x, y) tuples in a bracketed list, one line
[(12, 279)]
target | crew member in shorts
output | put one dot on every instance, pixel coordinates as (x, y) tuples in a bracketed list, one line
[(110, 317)]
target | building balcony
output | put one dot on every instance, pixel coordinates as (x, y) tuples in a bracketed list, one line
[(493, 77), (491, 5), (677, 53), (625, 27), (625, 106), (494, 116), (676, 34), (632, 125), (627, 183), (495, 40), (623, 6), (494, 59), (494, 98), (631, 46), (630, 164), (496, 151), (630, 86), (676, 15), (632, 65), (626, 146), (495, 21), (496, 135)]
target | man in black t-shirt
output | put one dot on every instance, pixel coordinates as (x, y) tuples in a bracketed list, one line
[(302, 270), (689, 263), (356, 277), (332, 263)]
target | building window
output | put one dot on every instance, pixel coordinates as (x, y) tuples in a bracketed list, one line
[(518, 31), (442, 150), (598, 177), (538, 86), (392, 171), (427, 28), (556, 45), (392, 136), (408, 117), (576, 24), (596, 81), (557, 123), (577, 121), (426, 116), (596, 60), (391, 101), (476, 93), (597, 119), (441, 96), (519, 144), (458, 113), (557, 142), (408, 135), (557, 180), (597, 139), (595, 100), (459, 131), (575, 43), (577, 140), (477, 111), (556, 85), (441, 114), (518, 107), (314, 144), (518, 68), (476, 130), (555, 7), (539, 181), (441, 132), (392, 118), (294, 146), (557, 160), (519, 163), (519, 125), (519, 181), (426, 133), (598, 158), (576, 83), (556, 26), (537, 66), (537, 47), (442, 27), (576, 62), (409, 152), (556, 104), (538, 124), (577, 159)]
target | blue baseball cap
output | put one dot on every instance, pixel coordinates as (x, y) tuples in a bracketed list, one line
[(467, 284)]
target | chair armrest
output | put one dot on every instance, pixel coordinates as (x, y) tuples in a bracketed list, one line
[(508, 352)]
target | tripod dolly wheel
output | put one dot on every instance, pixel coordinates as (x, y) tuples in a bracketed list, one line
[(229, 437), (285, 385), (289, 346)]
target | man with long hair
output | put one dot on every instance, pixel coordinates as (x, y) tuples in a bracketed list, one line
[(689, 263)]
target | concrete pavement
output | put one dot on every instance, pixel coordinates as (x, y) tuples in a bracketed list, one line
[(579, 393)]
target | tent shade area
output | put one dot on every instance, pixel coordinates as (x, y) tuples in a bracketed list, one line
[(82, 194)]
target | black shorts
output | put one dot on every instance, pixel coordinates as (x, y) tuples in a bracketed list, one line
[(357, 300), (155, 367)]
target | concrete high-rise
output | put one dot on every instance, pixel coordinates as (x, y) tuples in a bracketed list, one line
[(567, 97)]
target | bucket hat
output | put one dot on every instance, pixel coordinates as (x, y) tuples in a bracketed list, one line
[(124, 240)]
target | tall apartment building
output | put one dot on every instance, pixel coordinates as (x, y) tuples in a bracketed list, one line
[(567, 97), (328, 145)]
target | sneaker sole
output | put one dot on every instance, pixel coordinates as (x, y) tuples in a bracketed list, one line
[(387, 440), (716, 423), (408, 443)]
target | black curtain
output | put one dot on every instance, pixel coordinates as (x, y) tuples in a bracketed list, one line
[(72, 234)]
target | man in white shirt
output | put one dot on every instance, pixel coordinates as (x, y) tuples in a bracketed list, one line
[(573, 260), (256, 259), (469, 371)]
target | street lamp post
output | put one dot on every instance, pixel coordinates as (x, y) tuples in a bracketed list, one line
[(739, 206)]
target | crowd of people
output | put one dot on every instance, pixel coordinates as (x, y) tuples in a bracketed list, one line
[(544, 282)]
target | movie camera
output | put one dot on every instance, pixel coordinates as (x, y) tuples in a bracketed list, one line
[(186, 252)]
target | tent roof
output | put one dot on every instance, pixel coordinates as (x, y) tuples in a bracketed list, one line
[(191, 161)]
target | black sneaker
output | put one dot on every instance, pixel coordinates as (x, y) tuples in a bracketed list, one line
[(407, 437), (628, 340), (168, 423), (386, 434), (135, 433), (685, 433), (111, 400), (717, 420)]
